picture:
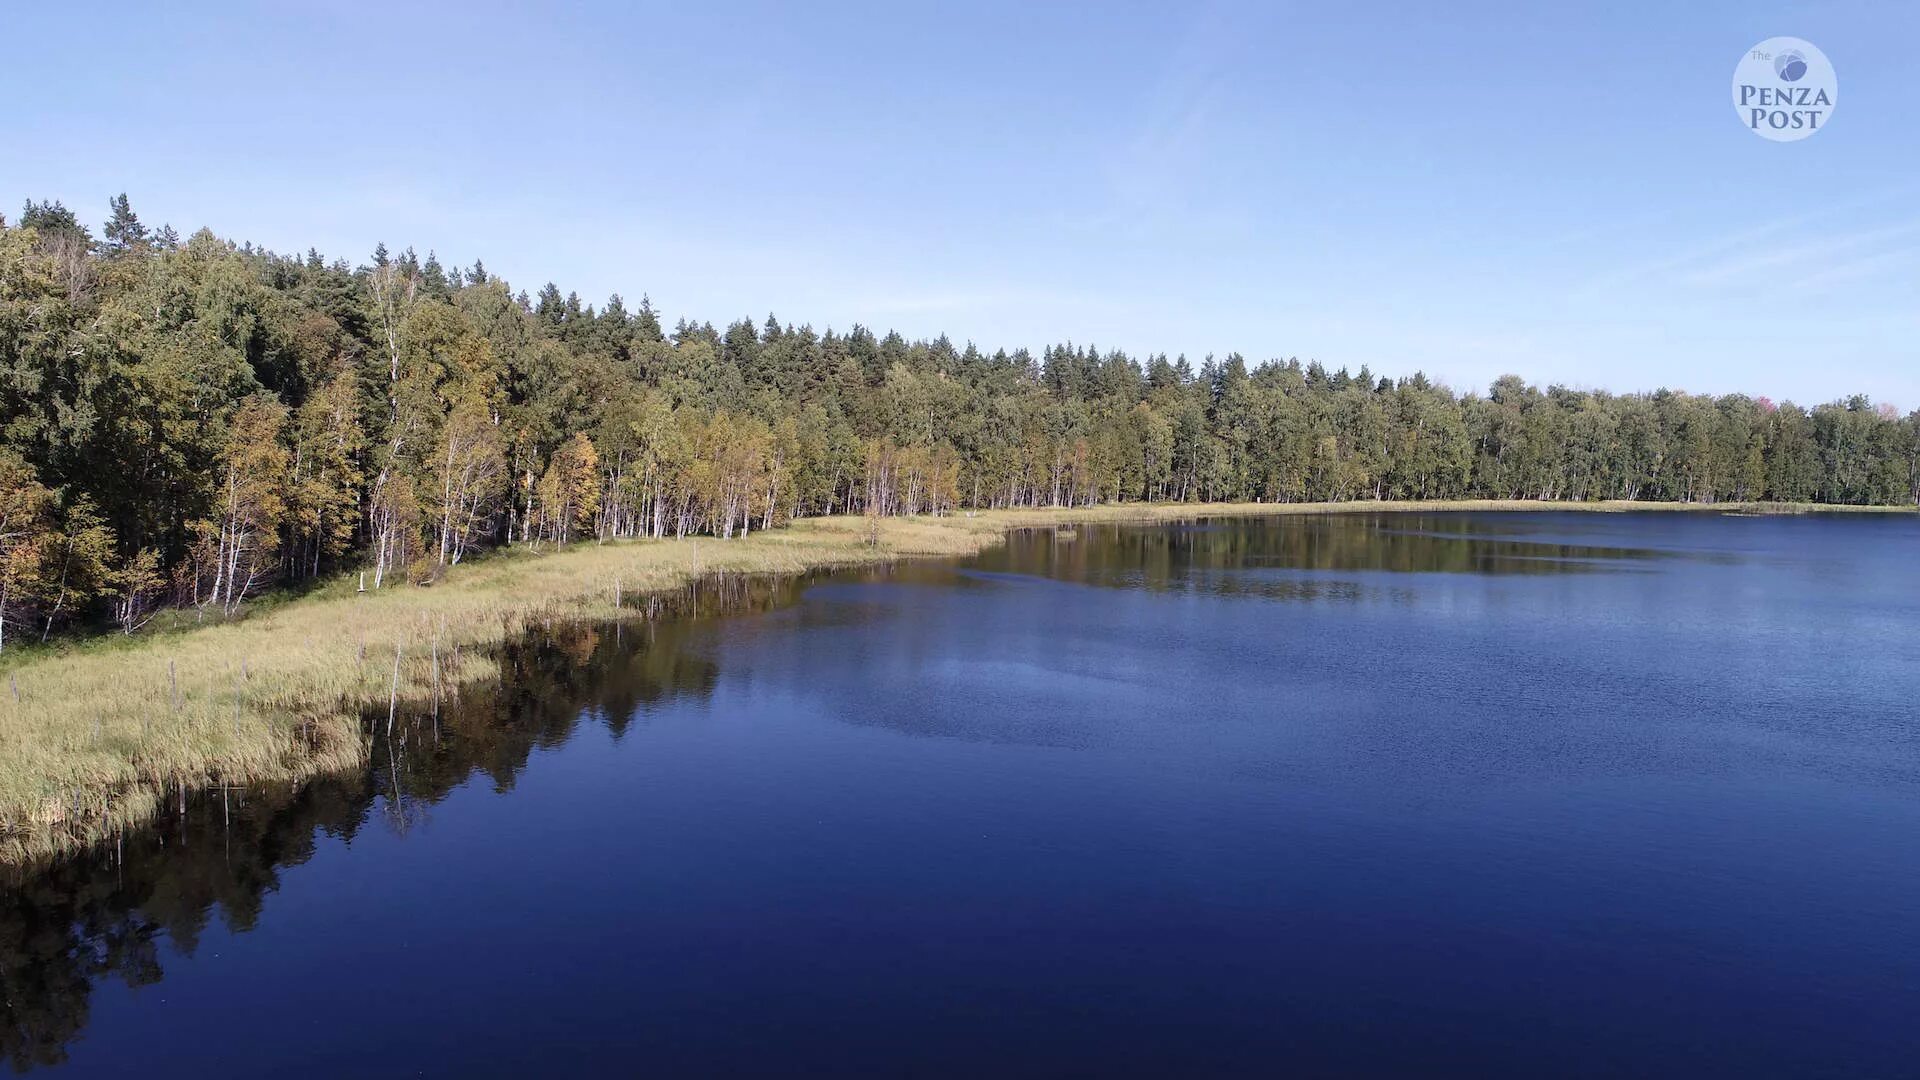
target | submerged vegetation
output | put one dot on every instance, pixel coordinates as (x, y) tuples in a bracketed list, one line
[(186, 422)]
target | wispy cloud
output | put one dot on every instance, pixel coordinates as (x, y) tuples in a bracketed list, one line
[(1148, 175), (1805, 257), (1861, 269), (1737, 256), (1185, 96)]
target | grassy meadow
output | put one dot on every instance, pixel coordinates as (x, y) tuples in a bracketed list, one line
[(95, 736)]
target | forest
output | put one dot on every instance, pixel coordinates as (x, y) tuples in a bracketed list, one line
[(185, 423)]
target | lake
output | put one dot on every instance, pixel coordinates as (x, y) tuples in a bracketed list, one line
[(1541, 794)]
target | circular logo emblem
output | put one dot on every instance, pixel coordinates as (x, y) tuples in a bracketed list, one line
[(1784, 89)]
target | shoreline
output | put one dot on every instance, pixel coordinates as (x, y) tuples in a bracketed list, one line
[(96, 736)]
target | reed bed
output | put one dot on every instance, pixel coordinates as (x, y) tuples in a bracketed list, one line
[(97, 736)]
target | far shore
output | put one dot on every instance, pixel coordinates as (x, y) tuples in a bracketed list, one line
[(96, 735)]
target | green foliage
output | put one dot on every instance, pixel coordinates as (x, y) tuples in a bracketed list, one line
[(186, 422)]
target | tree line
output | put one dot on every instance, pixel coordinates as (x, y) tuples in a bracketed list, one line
[(185, 422)]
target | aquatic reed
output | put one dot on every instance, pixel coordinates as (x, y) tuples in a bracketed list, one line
[(94, 735)]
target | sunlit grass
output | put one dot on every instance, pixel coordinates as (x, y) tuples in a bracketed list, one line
[(95, 736)]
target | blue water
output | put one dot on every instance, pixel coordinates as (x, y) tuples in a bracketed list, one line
[(1466, 795)]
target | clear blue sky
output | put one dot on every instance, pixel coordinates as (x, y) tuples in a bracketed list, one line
[(1467, 189)]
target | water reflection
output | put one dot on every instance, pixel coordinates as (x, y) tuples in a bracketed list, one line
[(1480, 685), (1289, 558), (105, 914)]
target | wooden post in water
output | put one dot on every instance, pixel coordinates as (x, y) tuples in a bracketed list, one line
[(393, 695)]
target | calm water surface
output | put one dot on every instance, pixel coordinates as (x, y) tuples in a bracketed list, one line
[(1523, 795)]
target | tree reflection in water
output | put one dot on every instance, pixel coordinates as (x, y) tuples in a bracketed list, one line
[(116, 911)]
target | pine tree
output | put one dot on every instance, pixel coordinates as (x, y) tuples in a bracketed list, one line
[(123, 230)]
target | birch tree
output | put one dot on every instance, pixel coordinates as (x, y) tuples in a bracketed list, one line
[(245, 532)]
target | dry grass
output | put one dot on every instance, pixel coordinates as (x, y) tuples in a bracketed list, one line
[(101, 733)]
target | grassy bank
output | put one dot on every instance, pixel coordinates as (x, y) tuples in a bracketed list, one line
[(95, 736)]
